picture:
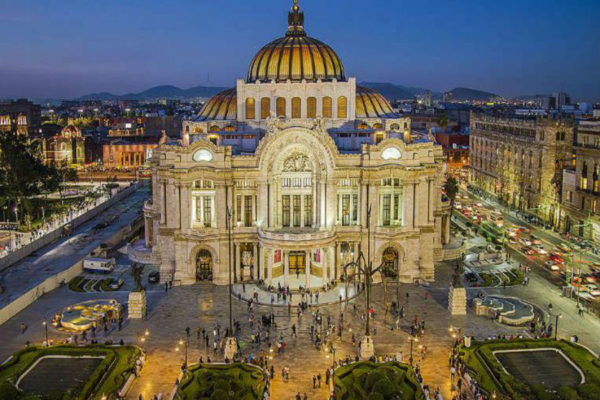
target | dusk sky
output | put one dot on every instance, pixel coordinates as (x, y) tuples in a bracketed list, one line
[(68, 48)]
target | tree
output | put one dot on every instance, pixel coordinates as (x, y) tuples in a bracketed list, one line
[(22, 172), (451, 189)]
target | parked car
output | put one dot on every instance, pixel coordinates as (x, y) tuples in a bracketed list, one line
[(564, 247), (540, 249), (154, 277), (525, 241), (116, 284), (535, 240), (471, 277), (593, 290), (556, 258)]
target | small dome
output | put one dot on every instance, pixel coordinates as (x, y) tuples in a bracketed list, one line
[(222, 106), (370, 104), (296, 57)]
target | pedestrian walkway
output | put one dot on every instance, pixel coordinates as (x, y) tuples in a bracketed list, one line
[(246, 291)]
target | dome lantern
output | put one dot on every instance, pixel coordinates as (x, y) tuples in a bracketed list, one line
[(295, 57)]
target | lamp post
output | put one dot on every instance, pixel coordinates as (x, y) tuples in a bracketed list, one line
[(230, 342), (46, 332), (556, 317), (182, 343), (412, 339)]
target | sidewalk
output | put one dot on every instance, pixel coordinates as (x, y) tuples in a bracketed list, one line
[(331, 296)]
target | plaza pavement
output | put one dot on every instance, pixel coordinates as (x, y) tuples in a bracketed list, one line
[(203, 305)]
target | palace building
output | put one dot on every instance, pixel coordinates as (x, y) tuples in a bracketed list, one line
[(299, 159)]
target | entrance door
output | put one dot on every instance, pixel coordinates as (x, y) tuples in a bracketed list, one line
[(297, 262), (204, 266), (390, 263)]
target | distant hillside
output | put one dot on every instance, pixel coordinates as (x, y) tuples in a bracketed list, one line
[(467, 94), (396, 92), (158, 92)]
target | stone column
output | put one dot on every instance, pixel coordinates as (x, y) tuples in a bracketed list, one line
[(237, 264), (324, 263), (185, 206), (322, 203), (286, 267), (262, 206), (307, 268), (269, 264), (255, 261)]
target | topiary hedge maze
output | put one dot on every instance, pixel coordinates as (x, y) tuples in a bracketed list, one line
[(223, 382), (376, 381)]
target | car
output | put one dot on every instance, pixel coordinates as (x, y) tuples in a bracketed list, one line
[(471, 277), (593, 290), (549, 263), (525, 241), (564, 247), (116, 284), (540, 249), (523, 229), (556, 258), (527, 250), (154, 277), (535, 240)]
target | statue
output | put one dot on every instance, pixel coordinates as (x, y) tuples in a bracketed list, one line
[(297, 162)]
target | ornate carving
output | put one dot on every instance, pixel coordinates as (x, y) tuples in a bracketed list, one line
[(297, 162)]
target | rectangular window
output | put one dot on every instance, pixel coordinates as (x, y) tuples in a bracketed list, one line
[(297, 211), (247, 210), (346, 209), (238, 208), (355, 208), (386, 209), (308, 210), (285, 210), (396, 206), (198, 209), (207, 211)]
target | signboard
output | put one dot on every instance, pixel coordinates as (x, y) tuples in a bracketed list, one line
[(277, 256)]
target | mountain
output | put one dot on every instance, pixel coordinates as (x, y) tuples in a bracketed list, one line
[(158, 92), (466, 94), (396, 92)]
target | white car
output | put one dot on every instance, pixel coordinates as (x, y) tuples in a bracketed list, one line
[(593, 290), (525, 241), (540, 249)]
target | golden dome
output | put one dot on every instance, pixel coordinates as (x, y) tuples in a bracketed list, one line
[(295, 56), (370, 104), (222, 106)]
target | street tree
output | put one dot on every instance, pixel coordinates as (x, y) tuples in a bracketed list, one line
[(451, 189)]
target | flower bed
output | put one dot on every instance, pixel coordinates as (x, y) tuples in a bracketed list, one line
[(223, 382), (491, 375), (106, 379), (376, 381)]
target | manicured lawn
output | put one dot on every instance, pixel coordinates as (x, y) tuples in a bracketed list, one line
[(376, 381), (106, 378), (485, 367), (222, 382)]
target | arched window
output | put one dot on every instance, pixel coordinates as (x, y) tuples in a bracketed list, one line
[(327, 106), (296, 107), (187, 129), (363, 126), (265, 108), (280, 106), (214, 128), (311, 107), (230, 128), (342, 111), (395, 127), (250, 108), (378, 126)]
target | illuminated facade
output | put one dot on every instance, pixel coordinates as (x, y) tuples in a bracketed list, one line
[(66, 148), (520, 161), (581, 183), (298, 153)]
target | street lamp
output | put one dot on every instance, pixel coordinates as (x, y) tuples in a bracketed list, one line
[(230, 342), (412, 339), (556, 317), (46, 332), (182, 343)]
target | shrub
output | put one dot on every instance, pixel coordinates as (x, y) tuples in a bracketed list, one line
[(375, 396), (589, 391), (540, 393), (372, 378), (219, 394), (223, 385), (384, 387), (567, 393)]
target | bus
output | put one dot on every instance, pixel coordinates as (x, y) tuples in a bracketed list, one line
[(96, 264)]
